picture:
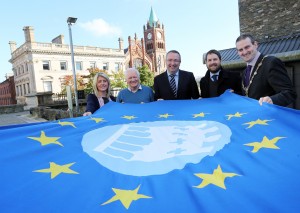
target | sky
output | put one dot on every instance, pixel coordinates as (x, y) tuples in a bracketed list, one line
[(192, 26)]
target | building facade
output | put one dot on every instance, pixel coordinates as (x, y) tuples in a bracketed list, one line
[(7, 91), (150, 50), (40, 68)]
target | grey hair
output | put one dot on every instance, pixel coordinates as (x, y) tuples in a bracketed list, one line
[(95, 80), (130, 70)]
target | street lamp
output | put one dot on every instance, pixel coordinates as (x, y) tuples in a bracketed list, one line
[(70, 21)]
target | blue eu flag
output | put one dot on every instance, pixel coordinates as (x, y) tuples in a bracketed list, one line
[(223, 154)]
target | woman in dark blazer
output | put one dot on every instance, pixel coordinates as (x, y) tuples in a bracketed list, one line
[(101, 96)]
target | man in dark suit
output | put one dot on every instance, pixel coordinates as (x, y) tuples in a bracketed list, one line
[(175, 84), (217, 80), (265, 78)]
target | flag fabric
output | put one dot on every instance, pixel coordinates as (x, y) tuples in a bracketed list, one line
[(223, 154)]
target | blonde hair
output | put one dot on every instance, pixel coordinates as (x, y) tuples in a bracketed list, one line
[(102, 74)]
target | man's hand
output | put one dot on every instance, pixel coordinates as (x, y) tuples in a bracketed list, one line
[(266, 99)]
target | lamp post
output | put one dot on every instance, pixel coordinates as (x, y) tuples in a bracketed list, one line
[(70, 21)]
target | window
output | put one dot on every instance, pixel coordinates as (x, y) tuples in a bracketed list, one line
[(63, 65), (24, 89), (27, 68), (78, 65), (137, 63), (28, 88), (21, 92), (105, 66), (46, 65), (117, 67), (47, 86), (93, 64)]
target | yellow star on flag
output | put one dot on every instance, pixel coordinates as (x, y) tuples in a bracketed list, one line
[(44, 140), (97, 120), (129, 117), (201, 114), (217, 178), (258, 121), (56, 169), (165, 115), (126, 196), (265, 143), (66, 123), (237, 115)]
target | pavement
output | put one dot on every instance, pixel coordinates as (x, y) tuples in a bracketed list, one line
[(18, 118)]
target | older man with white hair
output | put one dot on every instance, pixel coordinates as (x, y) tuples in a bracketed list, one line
[(135, 93)]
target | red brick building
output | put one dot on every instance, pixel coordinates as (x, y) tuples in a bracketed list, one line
[(8, 92)]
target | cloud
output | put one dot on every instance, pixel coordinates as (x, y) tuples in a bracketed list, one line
[(99, 27)]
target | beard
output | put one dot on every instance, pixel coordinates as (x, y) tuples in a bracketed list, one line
[(214, 68)]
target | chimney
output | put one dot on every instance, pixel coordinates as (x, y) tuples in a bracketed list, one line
[(121, 47), (59, 39), (13, 46), (29, 34)]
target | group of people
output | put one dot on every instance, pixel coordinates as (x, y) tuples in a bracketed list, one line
[(265, 79)]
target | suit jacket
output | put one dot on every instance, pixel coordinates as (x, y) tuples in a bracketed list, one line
[(92, 103), (187, 86), (269, 78), (226, 80)]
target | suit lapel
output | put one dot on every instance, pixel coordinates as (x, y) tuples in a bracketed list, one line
[(180, 81)]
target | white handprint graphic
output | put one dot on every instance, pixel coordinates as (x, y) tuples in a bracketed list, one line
[(152, 148)]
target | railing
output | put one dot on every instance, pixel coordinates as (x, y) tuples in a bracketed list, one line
[(60, 98)]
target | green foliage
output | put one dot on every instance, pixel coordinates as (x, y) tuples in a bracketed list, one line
[(146, 76), (117, 80)]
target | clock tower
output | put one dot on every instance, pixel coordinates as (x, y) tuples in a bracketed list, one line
[(155, 48)]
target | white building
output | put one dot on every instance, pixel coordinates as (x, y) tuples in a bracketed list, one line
[(40, 68)]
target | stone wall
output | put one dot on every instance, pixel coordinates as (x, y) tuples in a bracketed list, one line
[(269, 18), (52, 114), (5, 109)]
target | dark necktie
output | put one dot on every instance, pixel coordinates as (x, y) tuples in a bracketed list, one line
[(247, 75), (215, 78), (173, 85)]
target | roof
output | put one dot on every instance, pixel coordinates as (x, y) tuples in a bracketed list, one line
[(152, 18), (279, 47)]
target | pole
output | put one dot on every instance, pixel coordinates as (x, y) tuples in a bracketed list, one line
[(73, 69)]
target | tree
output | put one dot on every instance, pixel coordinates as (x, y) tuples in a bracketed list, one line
[(117, 80), (146, 76), (69, 81)]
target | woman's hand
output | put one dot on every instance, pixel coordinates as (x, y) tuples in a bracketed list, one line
[(86, 114)]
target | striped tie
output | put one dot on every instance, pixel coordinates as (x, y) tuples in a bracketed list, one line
[(173, 85)]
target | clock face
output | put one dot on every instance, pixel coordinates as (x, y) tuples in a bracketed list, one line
[(149, 36), (158, 34)]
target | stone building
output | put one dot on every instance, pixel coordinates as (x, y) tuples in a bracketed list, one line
[(40, 67), (276, 25)]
